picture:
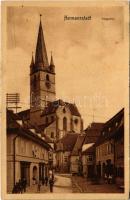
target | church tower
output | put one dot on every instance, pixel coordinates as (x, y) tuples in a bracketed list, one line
[(42, 79)]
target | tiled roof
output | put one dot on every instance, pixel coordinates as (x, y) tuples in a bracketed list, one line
[(78, 145), (93, 132), (25, 114), (11, 119), (52, 107), (14, 126), (112, 127), (90, 150), (67, 142)]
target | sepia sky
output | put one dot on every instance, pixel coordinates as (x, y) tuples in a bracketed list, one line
[(90, 59)]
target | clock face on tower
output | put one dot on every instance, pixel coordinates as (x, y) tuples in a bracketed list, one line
[(48, 84)]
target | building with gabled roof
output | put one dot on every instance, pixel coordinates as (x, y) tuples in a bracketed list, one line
[(110, 149), (64, 147), (76, 155), (28, 153), (92, 133)]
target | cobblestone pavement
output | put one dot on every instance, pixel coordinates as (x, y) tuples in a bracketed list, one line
[(34, 189), (62, 184), (80, 185)]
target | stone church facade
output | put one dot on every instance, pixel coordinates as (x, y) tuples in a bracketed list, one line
[(54, 117)]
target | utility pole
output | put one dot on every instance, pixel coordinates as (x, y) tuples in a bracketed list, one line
[(13, 99)]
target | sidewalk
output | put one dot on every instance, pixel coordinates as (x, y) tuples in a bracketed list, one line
[(81, 185), (34, 189)]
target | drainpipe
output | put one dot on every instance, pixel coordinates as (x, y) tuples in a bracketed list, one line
[(14, 141)]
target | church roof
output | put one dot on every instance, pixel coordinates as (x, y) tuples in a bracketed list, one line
[(78, 145), (53, 106)]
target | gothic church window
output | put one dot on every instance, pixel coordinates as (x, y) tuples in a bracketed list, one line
[(65, 123)]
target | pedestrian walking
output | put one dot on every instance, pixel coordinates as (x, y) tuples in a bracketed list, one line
[(20, 186), (15, 188), (105, 178), (51, 182), (46, 180), (39, 186), (110, 179), (24, 184)]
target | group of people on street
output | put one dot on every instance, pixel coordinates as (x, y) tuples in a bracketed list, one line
[(48, 180), (20, 186), (108, 178)]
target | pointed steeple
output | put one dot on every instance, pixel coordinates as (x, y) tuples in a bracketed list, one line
[(41, 59), (51, 62), (32, 61)]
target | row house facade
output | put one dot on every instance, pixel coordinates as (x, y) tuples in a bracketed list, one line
[(75, 158), (64, 149), (92, 133), (28, 154), (110, 149)]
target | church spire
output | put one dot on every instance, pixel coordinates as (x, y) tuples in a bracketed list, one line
[(32, 61), (51, 62), (41, 59)]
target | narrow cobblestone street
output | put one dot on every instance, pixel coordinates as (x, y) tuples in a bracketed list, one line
[(80, 185), (62, 184), (66, 183)]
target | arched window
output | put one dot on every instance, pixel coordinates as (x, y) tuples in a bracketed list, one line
[(47, 77), (65, 123)]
